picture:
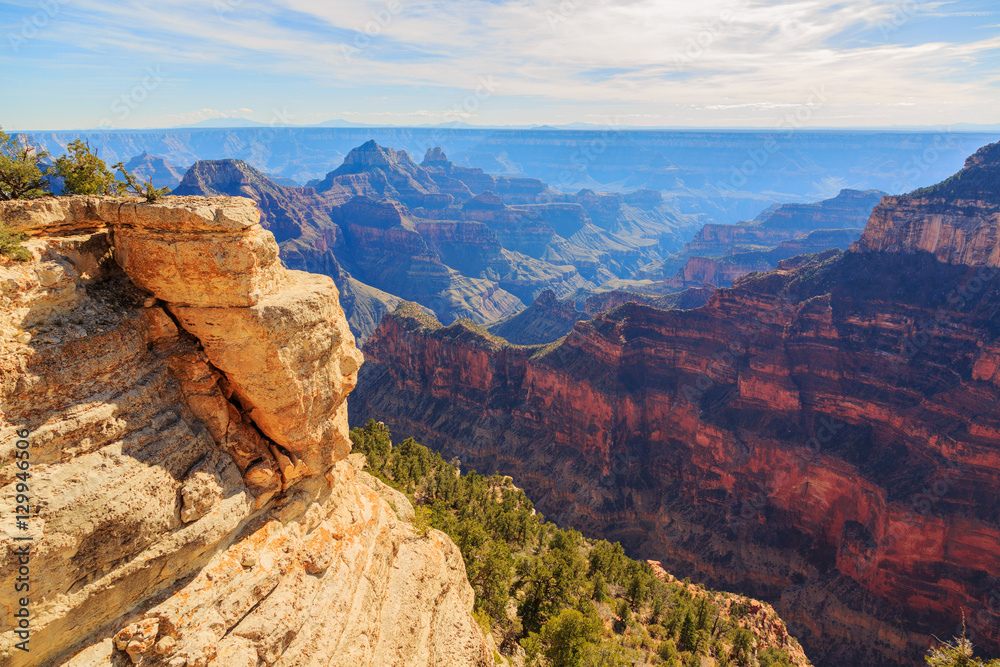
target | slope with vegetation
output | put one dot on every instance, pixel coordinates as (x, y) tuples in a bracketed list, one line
[(552, 597)]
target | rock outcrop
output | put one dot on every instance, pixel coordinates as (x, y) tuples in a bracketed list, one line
[(957, 221), (181, 396), (548, 319), (154, 168), (545, 320), (719, 254), (824, 436)]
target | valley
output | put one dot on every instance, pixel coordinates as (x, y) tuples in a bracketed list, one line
[(823, 436)]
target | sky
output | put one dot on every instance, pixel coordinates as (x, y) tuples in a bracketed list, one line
[(81, 64)]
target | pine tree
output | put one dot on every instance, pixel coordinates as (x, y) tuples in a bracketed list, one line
[(702, 621), (600, 590), (624, 613), (687, 640), (20, 174), (83, 173), (742, 651), (657, 612)]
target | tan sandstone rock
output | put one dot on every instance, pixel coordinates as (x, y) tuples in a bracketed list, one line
[(291, 360), (188, 506)]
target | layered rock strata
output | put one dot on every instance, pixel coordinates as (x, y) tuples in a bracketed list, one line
[(824, 436), (183, 397), (718, 254)]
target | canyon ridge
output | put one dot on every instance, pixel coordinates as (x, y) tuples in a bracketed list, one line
[(823, 436)]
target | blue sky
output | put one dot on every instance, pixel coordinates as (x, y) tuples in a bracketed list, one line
[(71, 64)]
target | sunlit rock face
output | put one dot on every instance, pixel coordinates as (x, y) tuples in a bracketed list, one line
[(825, 436), (184, 400), (957, 220)]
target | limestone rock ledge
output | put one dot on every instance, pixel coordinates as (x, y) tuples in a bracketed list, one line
[(190, 504)]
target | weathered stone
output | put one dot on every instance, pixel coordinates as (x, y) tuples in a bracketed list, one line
[(151, 483), (204, 486), (215, 270), (137, 639), (291, 360)]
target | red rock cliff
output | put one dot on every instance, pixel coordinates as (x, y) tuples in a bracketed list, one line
[(825, 436)]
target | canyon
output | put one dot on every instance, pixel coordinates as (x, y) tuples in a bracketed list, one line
[(459, 241), (173, 420), (718, 254), (823, 436), (483, 244)]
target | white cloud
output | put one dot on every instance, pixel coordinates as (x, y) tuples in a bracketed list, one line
[(675, 60)]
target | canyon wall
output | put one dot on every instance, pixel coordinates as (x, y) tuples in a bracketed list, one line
[(825, 436), (718, 254), (187, 493)]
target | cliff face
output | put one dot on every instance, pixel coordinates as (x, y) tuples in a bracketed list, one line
[(824, 436), (957, 221), (718, 254), (151, 167), (723, 271), (545, 320), (182, 397), (548, 319), (848, 210)]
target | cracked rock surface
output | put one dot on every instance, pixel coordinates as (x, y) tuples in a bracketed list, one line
[(185, 396)]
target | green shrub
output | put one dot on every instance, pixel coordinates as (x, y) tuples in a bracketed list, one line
[(774, 657), (567, 634), (20, 174), (668, 651), (957, 653), (83, 173), (131, 184), (10, 245)]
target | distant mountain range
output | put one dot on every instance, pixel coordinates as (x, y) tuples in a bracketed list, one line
[(727, 176), (234, 122)]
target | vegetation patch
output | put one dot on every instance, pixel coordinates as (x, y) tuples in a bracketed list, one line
[(561, 599), (10, 245)]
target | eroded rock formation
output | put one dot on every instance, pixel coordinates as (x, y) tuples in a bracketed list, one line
[(183, 395), (719, 254), (458, 241), (824, 436)]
